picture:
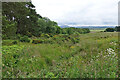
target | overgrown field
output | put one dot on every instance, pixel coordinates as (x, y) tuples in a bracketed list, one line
[(92, 55)]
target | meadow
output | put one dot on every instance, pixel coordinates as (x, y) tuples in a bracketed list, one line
[(91, 55), (97, 29), (34, 46)]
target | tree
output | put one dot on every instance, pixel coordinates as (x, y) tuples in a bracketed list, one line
[(42, 25), (117, 28), (59, 30), (69, 31), (23, 14), (8, 28), (47, 26)]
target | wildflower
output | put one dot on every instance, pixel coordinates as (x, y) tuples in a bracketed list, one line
[(55, 35), (72, 47), (98, 40)]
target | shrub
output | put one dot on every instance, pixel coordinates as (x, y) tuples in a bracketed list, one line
[(38, 41), (101, 31), (47, 35), (49, 41), (7, 42), (25, 39), (117, 28), (18, 36), (74, 40), (51, 35), (4, 36), (77, 33), (55, 37), (14, 42), (49, 75), (110, 30)]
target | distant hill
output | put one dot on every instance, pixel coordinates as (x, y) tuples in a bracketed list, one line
[(65, 26)]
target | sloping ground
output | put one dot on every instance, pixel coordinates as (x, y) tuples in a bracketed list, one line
[(92, 55)]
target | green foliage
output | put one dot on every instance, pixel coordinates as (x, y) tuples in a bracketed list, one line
[(69, 31), (14, 42), (19, 36), (10, 58), (117, 28), (23, 15), (63, 58), (45, 41), (9, 42), (25, 39), (26, 21), (8, 29), (47, 36), (73, 30), (59, 30), (74, 40), (50, 75), (54, 52), (64, 31), (38, 41), (48, 41), (48, 26), (48, 61), (110, 30)]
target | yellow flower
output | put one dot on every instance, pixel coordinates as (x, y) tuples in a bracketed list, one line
[(98, 40), (55, 35), (72, 47)]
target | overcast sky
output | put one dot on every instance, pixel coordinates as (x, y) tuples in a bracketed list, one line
[(79, 12)]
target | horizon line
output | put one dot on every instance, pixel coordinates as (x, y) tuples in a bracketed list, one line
[(87, 25)]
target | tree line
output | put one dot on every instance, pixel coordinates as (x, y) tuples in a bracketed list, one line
[(117, 29)]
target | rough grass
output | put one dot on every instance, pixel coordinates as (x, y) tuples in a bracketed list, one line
[(93, 56), (0, 65)]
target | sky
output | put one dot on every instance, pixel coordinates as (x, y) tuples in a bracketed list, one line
[(79, 12)]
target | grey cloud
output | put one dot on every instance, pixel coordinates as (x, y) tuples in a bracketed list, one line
[(89, 12)]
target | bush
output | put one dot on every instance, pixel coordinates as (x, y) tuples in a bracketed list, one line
[(77, 33), (110, 30), (4, 36), (117, 28), (25, 39), (14, 42), (51, 35), (49, 75), (42, 41), (18, 36), (74, 40), (48, 41), (7, 42), (38, 41), (47, 35)]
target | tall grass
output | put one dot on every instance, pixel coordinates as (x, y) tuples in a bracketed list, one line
[(94, 55)]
